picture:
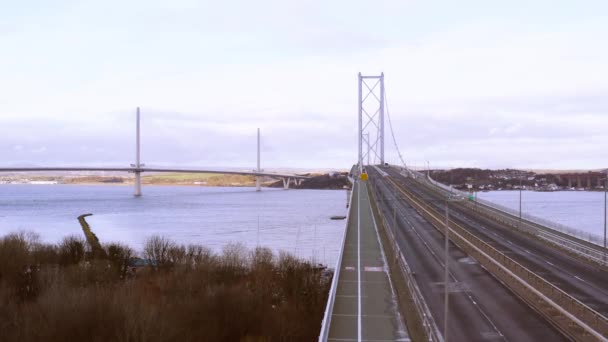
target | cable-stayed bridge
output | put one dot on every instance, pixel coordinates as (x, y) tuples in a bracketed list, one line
[(138, 168)]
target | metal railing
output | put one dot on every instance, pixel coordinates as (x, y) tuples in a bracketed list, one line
[(331, 298), (555, 233), (578, 233)]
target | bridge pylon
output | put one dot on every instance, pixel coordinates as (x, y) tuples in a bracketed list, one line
[(137, 164), (258, 179), (371, 119)]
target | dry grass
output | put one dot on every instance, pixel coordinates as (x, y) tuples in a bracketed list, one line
[(210, 179), (59, 293)]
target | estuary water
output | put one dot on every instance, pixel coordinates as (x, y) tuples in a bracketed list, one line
[(581, 210), (296, 221)]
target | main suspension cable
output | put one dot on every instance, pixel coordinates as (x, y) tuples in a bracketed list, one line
[(390, 124)]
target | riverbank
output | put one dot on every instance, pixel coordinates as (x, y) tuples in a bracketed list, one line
[(512, 179), (329, 181)]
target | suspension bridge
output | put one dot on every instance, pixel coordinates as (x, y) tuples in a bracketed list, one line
[(138, 168), (421, 261)]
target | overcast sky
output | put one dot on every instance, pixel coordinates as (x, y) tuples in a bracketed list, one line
[(469, 83)]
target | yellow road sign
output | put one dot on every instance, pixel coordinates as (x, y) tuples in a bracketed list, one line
[(364, 176)]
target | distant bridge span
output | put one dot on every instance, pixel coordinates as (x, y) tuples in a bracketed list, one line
[(138, 168), (150, 169)]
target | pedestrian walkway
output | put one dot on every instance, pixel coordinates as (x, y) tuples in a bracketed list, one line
[(365, 308)]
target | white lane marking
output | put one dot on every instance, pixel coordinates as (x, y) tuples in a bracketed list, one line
[(579, 278), (359, 260), (527, 251), (373, 269), (509, 241), (550, 263)]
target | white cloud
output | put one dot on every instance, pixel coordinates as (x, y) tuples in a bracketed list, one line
[(457, 83)]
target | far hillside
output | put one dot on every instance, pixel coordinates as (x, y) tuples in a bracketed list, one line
[(504, 179)]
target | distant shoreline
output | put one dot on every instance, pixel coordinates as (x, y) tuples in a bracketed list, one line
[(328, 181)]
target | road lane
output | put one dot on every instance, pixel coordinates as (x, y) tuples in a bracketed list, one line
[(481, 308)]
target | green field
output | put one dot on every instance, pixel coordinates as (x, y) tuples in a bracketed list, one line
[(190, 178)]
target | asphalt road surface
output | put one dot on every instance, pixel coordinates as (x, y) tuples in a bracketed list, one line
[(480, 307), (582, 280)]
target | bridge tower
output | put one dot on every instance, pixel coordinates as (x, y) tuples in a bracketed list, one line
[(258, 185), (371, 119), (137, 164)]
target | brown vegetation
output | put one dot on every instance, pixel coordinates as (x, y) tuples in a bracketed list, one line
[(64, 292)]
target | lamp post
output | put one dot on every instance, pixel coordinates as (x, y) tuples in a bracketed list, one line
[(449, 198), (446, 274), (520, 185), (605, 186)]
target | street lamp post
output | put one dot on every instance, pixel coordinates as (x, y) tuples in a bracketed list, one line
[(446, 274), (605, 193), (449, 198), (520, 185)]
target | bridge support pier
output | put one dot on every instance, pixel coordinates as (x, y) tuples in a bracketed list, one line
[(258, 180), (286, 182), (137, 184)]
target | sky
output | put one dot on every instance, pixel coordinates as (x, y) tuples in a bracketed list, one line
[(489, 84)]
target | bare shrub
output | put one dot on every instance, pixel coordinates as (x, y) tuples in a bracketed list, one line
[(177, 255), (119, 257), (234, 256), (71, 250), (156, 249), (14, 255), (239, 295), (200, 256)]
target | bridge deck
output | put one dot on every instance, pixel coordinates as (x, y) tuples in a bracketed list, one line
[(365, 308), (149, 169)]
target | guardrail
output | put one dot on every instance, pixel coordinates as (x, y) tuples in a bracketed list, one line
[(580, 234), (533, 225), (568, 314), (572, 244), (423, 312), (331, 298)]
